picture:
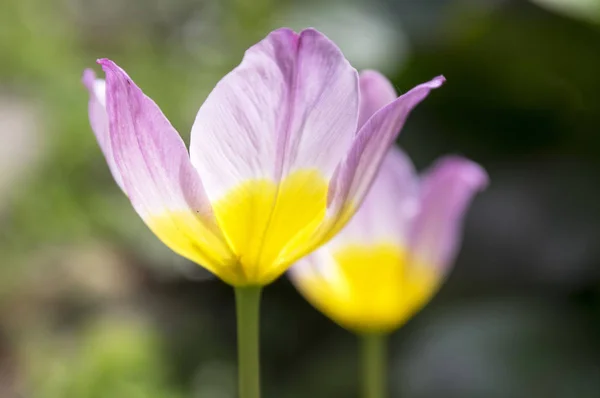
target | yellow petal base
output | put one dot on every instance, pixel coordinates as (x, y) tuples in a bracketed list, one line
[(266, 225), (187, 235), (371, 288)]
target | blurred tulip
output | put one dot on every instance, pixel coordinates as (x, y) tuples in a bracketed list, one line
[(390, 259)]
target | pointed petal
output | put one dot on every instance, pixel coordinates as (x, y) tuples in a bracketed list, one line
[(387, 212), (446, 192), (99, 120), (376, 91), (158, 176), (355, 174), (267, 140), (291, 104)]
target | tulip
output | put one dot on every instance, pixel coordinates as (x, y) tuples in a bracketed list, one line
[(393, 255), (276, 165)]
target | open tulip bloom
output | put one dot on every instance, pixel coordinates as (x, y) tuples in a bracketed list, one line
[(280, 158), (394, 253)]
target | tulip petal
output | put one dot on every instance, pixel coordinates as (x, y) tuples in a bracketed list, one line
[(446, 191), (268, 139), (388, 209), (158, 176), (376, 91), (99, 120), (291, 104), (356, 173)]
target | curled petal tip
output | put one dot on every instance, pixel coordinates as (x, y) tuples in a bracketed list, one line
[(482, 181), (478, 177), (470, 173), (474, 175), (114, 72), (107, 64), (437, 81)]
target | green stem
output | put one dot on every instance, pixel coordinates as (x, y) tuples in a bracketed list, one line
[(247, 302), (374, 358)]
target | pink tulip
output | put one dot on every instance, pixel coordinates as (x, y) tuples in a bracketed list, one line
[(278, 160)]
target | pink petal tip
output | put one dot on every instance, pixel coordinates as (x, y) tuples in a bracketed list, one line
[(470, 172), (108, 65), (437, 81)]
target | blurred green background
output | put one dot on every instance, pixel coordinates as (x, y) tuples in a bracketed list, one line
[(93, 305)]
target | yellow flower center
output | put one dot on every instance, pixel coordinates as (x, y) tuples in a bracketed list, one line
[(371, 288), (267, 226)]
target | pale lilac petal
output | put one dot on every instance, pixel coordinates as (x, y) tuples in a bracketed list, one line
[(387, 212), (318, 266), (376, 91), (99, 120), (158, 176), (355, 174), (446, 192), (291, 104)]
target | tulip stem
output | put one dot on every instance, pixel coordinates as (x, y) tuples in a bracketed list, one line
[(247, 302), (374, 358)]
